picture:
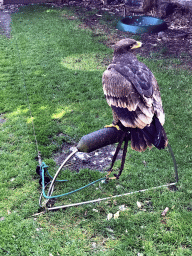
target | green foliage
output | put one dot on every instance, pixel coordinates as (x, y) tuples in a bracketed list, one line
[(50, 73)]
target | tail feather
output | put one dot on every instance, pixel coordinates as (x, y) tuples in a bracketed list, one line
[(138, 141), (152, 134), (155, 134)]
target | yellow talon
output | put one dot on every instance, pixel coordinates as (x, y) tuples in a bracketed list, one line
[(112, 125), (109, 172), (110, 178)]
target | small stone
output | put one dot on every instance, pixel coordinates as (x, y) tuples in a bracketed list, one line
[(112, 153), (161, 35), (110, 230), (82, 156), (72, 149), (122, 207)]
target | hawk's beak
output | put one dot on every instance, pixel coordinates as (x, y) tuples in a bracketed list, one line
[(137, 45)]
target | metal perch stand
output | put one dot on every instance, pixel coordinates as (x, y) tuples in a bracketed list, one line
[(89, 143)]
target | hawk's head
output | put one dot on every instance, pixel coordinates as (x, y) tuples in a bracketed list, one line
[(127, 44)]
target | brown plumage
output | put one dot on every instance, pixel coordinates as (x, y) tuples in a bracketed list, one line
[(132, 92)]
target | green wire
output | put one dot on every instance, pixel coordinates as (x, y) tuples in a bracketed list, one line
[(44, 166), (66, 194)]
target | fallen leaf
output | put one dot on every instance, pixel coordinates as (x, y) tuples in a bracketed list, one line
[(116, 215), (165, 211), (109, 216), (139, 204)]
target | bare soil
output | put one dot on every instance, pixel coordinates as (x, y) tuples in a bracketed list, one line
[(176, 41), (99, 159), (5, 20)]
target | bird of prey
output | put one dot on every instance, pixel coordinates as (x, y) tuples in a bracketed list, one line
[(132, 92)]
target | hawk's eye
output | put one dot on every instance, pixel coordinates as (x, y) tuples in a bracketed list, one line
[(130, 46)]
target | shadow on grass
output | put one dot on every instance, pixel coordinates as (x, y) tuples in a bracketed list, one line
[(56, 73)]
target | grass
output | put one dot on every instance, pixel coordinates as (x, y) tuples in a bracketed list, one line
[(50, 73)]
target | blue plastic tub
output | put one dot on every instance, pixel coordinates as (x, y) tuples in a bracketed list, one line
[(141, 24)]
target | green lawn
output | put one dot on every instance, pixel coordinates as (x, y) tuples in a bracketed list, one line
[(51, 93)]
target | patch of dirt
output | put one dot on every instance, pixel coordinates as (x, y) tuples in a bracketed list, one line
[(176, 41), (97, 160), (2, 120), (5, 18)]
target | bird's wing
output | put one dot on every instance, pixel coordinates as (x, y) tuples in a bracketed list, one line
[(119, 91), (133, 107), (138, 74), (157, 102)]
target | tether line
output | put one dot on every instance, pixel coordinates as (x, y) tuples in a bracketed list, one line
[(27, 96)]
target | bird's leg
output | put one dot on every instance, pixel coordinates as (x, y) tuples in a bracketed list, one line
[(123, 157), (116, 123), (115, 155)]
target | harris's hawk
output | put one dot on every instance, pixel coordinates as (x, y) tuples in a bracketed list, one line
[(132, 92)]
